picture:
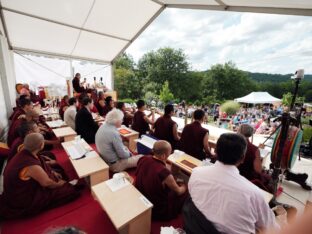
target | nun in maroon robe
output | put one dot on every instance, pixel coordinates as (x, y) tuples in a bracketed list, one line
[(151, 174), (24, 195), (164, 127)]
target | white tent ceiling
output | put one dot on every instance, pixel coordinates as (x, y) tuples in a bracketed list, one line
[(100, 30)]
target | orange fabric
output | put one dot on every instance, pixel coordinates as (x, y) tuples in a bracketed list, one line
[(22, 174)]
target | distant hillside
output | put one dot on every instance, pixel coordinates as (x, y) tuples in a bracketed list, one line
[(274, 78)]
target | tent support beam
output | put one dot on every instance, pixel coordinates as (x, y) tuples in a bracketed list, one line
[(139, 32), (63, 24), (6, 34), (267, 10), (62, 56)]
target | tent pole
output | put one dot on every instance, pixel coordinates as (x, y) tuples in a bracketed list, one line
[(69, 84)]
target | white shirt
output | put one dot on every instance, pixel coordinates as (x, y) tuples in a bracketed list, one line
[(231, 202), (70, 115)]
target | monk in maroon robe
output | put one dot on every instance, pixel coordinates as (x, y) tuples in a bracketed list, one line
[(24, 106), (251, 168), (141, 121), (166, 129), (30, 185), (109, 105), (128, 116), (158, 185), (63, 106), (194, 138), (100, 103)]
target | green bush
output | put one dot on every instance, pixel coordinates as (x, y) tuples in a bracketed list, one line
[(230, 107), (307, 133), (127, 100)]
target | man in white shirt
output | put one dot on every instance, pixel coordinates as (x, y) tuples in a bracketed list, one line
[(232, 203), (70, 113)]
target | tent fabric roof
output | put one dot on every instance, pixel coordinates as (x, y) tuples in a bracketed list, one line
[(100, 30), (258, 98)]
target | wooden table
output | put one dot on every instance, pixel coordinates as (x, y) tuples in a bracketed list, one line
[(177, 161), (130, 135), (92, 167), (127, 208), (67, 133)]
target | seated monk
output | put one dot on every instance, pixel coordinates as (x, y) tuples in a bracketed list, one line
[(194, 138), (32, 115), (110, 146), (128, 116), (25, 111), (155, 181), (165, 128), (86, 127), (24, 106), (24, 129), (109, 105), (63, 106), (30, 186), (100, 103), (18, 106), (251, 168), (141, 121)]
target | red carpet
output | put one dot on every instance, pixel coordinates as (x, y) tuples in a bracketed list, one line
[(84, 213)]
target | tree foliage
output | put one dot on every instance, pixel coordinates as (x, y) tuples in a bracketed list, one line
[(147, 79), (165, 94)]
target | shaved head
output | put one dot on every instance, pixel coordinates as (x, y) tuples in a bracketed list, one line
[(33, 142), (161, 148)]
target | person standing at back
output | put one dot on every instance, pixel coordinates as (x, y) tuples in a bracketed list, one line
[(194, 138), (141, 121), (165, 128)]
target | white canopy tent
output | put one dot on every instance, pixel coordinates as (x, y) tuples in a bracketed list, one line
[(96, 30), (100, 30), (258, 98)]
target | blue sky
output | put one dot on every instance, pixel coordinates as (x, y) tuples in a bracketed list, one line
[(255, 42)]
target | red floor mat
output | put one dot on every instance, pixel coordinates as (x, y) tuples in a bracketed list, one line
[(84, 213)]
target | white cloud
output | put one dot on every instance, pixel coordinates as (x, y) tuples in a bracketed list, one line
[(255, 42)]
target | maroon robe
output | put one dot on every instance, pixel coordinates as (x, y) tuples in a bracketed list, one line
[(19, 111), (13, 131), (61, 111), (14, 147), (247, 170), (139, 124), (192, 139), (150, 174), (106, 109), (99, 108), (163, 130), (22, 198)]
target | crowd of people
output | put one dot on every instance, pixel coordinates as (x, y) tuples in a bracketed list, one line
[(222, 198)]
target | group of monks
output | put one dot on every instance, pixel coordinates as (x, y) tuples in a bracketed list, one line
[(34, 182)]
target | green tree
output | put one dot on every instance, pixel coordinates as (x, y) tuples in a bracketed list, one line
[(226, 82), (165, 94), (161, 65), (287, 98), (127, 82)]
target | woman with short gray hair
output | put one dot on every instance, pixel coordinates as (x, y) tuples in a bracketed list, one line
[(110, 146)]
